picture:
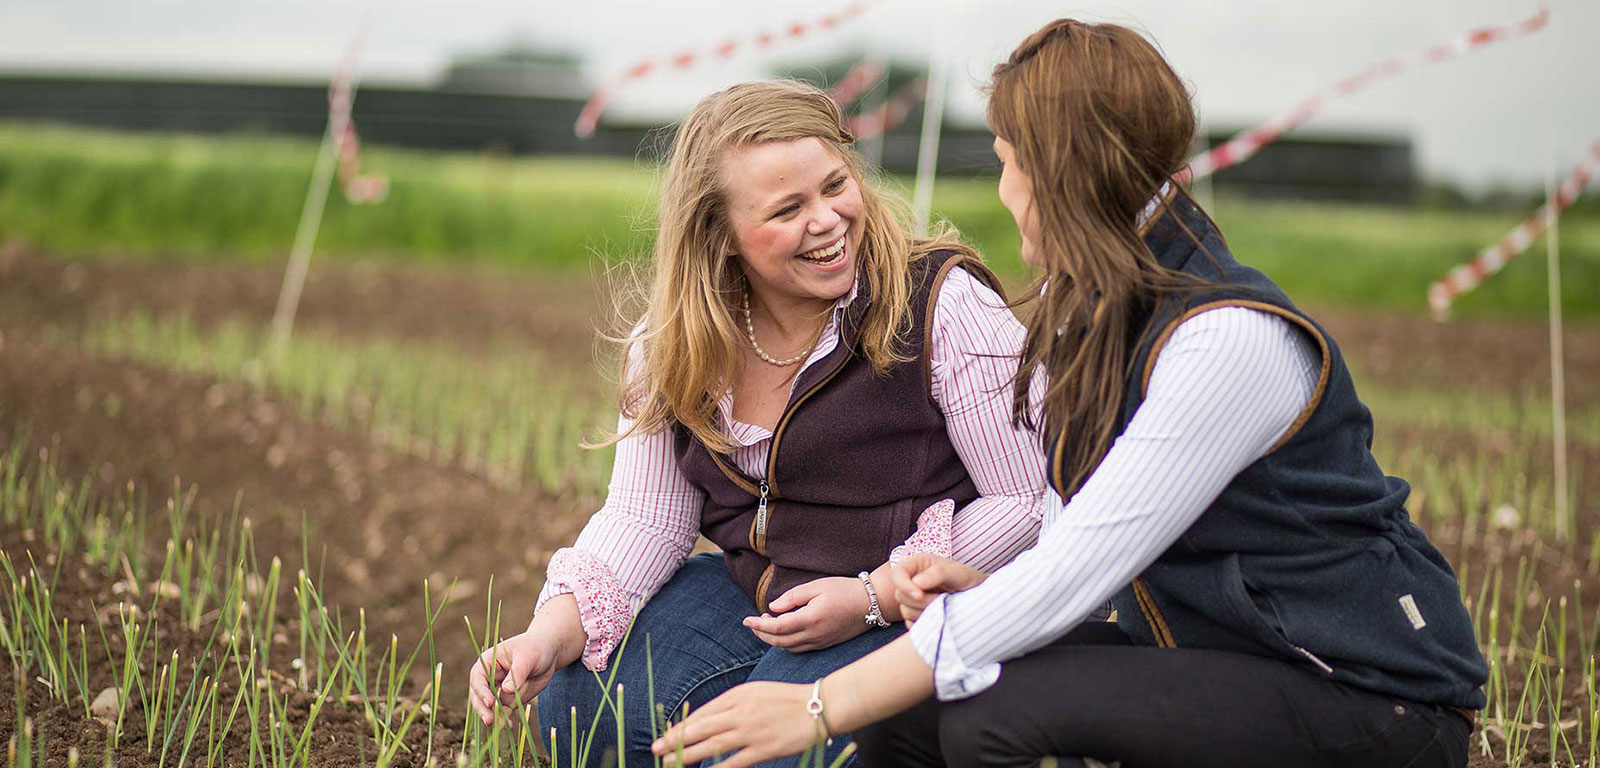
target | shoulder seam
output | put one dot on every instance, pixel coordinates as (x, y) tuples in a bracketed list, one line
[(1306, 325)]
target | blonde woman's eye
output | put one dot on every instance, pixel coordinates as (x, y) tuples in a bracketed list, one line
[(836, 185)]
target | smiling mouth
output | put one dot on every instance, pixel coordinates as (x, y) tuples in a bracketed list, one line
[(826, 255)]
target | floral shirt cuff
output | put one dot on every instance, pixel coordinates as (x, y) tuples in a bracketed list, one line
[(603, 606), (932, 535)]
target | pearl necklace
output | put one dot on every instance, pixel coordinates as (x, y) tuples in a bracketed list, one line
[(750, 332)]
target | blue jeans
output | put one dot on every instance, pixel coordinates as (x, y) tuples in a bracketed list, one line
[(690, 636)]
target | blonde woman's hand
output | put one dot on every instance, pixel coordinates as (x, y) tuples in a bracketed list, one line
[(920, 578), (817, 614), (511, 673), (753, 722)]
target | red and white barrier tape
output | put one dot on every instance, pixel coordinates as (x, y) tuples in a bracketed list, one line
[(889, 114), (1247, 143), (862, 76), (1490, 260), (590, 116), (358, 188)]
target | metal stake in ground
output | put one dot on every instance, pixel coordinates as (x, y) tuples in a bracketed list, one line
[(875, 110), (932, 121), (1558, 366), (339, 142), (1203, 191), (305, 236)]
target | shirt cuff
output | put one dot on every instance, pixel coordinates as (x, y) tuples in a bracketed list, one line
[(603, 606), (932, 535), (952, 678)]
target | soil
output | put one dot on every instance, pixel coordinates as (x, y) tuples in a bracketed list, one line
[(381, 522), (342, 735), (1402, 350)]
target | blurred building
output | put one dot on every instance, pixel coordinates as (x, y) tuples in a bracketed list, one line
[(1307, 165), (521, 69)]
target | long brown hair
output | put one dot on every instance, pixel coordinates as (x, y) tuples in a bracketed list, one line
[(689, 336), (1098, 122)]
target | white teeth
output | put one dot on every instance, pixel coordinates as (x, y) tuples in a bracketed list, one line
[(825, 255)]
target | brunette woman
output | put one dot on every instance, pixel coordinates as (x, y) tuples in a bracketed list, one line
[(811, 389), (1275, 604)]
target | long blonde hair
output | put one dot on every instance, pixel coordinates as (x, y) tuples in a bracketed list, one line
[(690, 338)]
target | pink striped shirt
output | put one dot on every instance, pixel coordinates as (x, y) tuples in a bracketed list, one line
[(651, 517)]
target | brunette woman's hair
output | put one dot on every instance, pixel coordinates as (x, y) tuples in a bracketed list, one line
[(1098, 123), (689, 336)]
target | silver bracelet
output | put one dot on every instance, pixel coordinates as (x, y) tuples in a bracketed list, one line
[(874, 613), (814, 708)]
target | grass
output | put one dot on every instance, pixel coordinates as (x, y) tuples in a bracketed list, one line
[(1353, 256), (175, 196), (75, 190)]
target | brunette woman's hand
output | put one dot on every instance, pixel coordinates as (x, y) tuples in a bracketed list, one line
[(753, 722), (920, 578), (817, 614)]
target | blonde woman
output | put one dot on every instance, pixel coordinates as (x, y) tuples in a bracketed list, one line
[(814, 391)]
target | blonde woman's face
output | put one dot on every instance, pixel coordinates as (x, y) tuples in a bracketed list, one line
[(1016, 194), (796, 213)]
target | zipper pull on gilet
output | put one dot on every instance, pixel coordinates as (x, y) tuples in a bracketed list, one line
[(761, 511)]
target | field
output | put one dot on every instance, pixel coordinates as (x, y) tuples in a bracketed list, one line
[(257, 549)]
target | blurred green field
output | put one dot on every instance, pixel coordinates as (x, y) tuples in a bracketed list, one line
[(78, 191)]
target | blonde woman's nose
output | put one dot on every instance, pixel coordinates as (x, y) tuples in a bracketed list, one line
[(825, 221)]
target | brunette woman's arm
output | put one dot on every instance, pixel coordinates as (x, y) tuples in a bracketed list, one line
[(1226, 386)]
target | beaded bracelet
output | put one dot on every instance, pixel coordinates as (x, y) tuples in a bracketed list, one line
[(874, 613)]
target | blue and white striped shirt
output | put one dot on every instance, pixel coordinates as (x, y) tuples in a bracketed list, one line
[(1227, 385)]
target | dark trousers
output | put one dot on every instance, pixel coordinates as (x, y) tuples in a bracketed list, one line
[(1093, 694)]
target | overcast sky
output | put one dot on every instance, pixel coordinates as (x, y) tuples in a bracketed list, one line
[(1494, 115)]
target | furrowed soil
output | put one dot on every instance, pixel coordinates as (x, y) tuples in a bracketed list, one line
[(381, 522)]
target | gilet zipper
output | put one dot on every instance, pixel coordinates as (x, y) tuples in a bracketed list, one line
[(761, 517), (758, 539)]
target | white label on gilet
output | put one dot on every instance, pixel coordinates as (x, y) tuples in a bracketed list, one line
[(1409, 605)]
